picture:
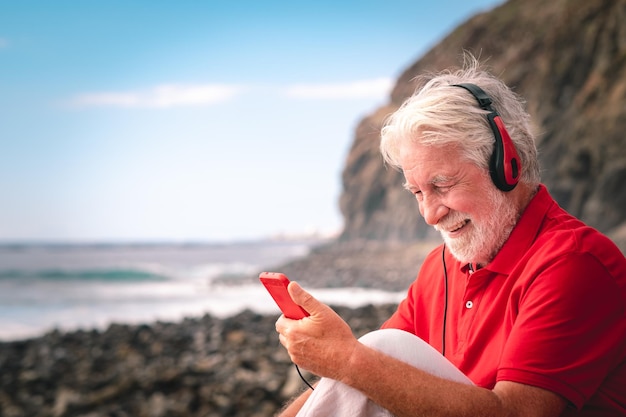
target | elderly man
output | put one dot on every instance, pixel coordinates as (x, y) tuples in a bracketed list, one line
[(525, 304)]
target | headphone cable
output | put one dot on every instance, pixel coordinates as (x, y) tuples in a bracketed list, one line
[(304, 379)]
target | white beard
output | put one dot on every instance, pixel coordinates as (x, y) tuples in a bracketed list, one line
[(486, 239)]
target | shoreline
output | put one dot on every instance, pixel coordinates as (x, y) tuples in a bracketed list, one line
[(222, 303), (343, 273)]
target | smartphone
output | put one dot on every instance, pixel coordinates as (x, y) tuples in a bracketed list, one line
[(276, 284)]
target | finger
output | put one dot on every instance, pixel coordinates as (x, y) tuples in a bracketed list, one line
[(282, 340), (304, 299), (280, 325)]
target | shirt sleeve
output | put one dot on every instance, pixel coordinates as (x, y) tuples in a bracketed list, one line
[(403, 317), (569, 330)]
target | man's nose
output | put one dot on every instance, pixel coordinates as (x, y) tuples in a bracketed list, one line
[(432, 209)]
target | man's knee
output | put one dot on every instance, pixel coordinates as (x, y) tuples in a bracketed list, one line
[(414, 351), (394, 342)]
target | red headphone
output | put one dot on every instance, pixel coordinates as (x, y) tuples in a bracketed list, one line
[(505, 165)]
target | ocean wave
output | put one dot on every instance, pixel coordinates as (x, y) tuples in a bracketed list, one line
[(100, 275)]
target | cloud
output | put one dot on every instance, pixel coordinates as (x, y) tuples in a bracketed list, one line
[(4, 43), (377, 87), (178, 95), (161, 96)]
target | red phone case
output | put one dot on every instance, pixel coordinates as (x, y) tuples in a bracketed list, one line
[(276, 284)]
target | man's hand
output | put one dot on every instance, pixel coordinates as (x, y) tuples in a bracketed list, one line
[(321, 343)]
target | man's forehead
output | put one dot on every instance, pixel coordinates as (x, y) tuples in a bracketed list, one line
[(414, 152), (438, 161), (433, 164)]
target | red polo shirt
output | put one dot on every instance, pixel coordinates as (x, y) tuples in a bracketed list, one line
[(548, 311)]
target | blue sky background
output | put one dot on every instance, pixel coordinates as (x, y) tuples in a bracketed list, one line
[(193, 120)]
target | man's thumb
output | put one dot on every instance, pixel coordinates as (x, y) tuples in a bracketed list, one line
[(303, 298)]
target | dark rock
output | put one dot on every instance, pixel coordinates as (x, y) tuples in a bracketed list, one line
[(199, 367)]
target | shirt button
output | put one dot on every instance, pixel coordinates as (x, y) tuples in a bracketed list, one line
[(469, 304)]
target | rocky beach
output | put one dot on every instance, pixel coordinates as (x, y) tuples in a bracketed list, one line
[(198, 367)]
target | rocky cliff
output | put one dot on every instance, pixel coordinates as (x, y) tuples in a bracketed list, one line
[(567, 58)]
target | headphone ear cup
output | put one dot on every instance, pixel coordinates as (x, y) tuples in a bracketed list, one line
[(505, 166)]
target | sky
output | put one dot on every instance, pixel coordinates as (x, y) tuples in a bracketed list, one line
[(193, 120)]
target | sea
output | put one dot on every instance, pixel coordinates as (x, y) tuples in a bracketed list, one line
[(72, 286)]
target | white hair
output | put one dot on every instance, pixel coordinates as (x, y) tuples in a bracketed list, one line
[(439, 114)]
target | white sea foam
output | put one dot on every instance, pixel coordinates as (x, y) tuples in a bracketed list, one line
[(42, 289), (145, 303)]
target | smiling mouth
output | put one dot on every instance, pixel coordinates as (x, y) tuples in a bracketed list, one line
[(455, 227)]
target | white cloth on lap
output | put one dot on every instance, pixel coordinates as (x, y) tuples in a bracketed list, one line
[(333, 398)]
